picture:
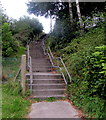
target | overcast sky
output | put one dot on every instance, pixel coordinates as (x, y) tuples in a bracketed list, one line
[(18, 8)]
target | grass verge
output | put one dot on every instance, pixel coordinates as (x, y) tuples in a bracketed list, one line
[(13, 104)]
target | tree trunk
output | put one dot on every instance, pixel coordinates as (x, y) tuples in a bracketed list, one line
[(50, 23), (79, 14), (70, 11)]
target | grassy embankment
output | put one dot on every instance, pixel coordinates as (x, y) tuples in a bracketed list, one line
[(13, 104), (87, 81)]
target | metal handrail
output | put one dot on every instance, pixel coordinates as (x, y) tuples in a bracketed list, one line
[(31, 76), (44, 48), (50, 58), (29, 62), (66, 69), (59, 58), (63, 75), (50, 52)]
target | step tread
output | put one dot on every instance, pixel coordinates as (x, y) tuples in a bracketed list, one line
[(41, 73), (48, 84), (40, 96), (49, 90), (47, 79)]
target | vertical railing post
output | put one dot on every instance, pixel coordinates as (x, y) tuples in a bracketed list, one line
[(31, 76), (23, 72)]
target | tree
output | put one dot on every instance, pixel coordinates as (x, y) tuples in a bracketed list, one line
[(26, 29), (9, 45)]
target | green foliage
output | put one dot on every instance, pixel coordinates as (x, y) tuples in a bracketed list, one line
[(21, 51), (64, 32), (92, 106), (27, 29), (51, 99), (95, 72), (85, 58), (94, 20), (10, 45)]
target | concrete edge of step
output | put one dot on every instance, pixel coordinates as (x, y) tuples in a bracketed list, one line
[(54, 74)]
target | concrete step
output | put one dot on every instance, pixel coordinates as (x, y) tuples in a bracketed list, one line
[(40, 60), (34, 64), (47, 86), (40, 70), (49, 96), (47, 81), (43, 75), (47, 92), (45, 66)]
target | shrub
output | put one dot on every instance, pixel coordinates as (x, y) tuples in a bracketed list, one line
[(10, 45), (95, 72)]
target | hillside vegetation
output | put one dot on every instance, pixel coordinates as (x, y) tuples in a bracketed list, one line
[(85, 58)]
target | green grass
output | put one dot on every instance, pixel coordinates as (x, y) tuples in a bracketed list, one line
[(13, 105), (51, 99)]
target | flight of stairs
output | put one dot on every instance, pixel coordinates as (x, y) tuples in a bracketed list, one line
[(46, 81)]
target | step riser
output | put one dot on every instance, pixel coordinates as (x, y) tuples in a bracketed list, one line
[(47, 81), (47, 93), (46, 97), (41, 65), (45, 77), (41, 62), (36, 87), (41, 70)]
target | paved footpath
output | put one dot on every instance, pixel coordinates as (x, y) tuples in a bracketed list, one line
[(58, 109)]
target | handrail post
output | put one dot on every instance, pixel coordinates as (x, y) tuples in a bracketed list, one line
[(23, 72)]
